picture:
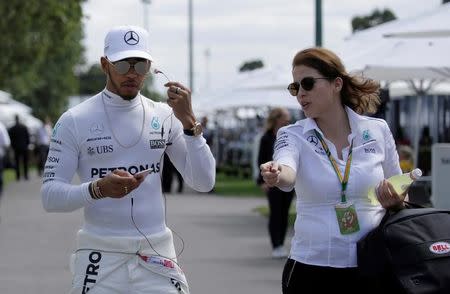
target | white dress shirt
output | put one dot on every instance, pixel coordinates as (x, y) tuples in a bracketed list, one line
[(317, 238)]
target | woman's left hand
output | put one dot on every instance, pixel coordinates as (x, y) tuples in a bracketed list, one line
[(388, 197)]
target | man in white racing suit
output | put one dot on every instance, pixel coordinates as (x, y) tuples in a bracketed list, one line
[(124, 245)]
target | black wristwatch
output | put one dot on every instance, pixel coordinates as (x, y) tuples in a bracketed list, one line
[(195, 131)]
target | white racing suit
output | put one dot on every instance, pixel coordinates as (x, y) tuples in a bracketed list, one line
[(126, 265), (95, 138)]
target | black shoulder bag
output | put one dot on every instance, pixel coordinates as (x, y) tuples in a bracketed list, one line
[(409, 252)]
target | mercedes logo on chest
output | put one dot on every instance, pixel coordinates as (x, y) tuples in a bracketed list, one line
[(131, 38), (313, 140)]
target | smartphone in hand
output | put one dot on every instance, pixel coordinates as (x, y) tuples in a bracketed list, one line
[(142, 174)]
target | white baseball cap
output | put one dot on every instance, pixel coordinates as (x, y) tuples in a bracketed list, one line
[(125, 42)]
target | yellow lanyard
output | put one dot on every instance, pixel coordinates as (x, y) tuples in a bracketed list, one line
[(342, 180)]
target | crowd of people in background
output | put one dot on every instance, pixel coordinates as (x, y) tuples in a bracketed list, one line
[(20, 149)]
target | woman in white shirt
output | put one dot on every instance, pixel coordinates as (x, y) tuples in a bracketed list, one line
[(332, 158)]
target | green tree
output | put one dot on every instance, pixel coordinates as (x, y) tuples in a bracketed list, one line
[(377, 17), (40, 48), (92, 81), (251, 65)]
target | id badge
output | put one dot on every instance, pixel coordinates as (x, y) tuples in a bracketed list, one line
[(347, 218)]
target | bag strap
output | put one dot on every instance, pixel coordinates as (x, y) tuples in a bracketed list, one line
[(411, 205), (390, 212)]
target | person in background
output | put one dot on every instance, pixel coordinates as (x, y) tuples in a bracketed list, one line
[(405, 154), (279, 201), (20, 140), (207, 133), (124, 245), (424, 155), (43, 141), (168, 172), (5, 142), (400, 138), (332, 158)]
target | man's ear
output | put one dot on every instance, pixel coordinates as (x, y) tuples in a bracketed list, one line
[(104, 64)]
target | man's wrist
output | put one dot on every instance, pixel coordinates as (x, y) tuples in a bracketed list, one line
[(189, 123), (195, 131), (95, 191)]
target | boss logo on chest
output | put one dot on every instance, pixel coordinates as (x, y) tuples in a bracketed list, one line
[(370, 150), (157, 143)]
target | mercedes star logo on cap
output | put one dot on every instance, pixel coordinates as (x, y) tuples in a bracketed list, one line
[(131, 38)]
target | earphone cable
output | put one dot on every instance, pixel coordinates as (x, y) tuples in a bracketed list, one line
[(169, 142)]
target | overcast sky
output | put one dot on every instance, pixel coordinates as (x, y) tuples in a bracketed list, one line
[(233, 31)]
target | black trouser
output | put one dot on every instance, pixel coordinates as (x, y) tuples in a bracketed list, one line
[(279, 203), (21, 156), (42, 157), (180, 180), (2, 161), (304, 278)]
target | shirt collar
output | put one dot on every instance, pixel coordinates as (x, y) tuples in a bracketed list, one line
[(114, 99), (353, 118)]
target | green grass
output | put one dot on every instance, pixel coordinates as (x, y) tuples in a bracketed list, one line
[(8, 176), (264, 210), (227, 185)]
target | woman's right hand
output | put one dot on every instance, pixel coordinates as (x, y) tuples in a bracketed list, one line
[(270, 172)]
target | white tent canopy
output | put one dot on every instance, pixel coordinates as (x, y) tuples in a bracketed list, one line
[(9, 108), (258, 88), (7, 100), (394, 59), (421, 53), (430, 24)]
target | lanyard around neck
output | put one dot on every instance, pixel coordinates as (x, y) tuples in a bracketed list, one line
[(343, 180)]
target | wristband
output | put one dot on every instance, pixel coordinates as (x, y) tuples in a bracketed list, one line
[(95, 191)]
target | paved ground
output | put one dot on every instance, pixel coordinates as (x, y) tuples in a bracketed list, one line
[(226, 244)]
